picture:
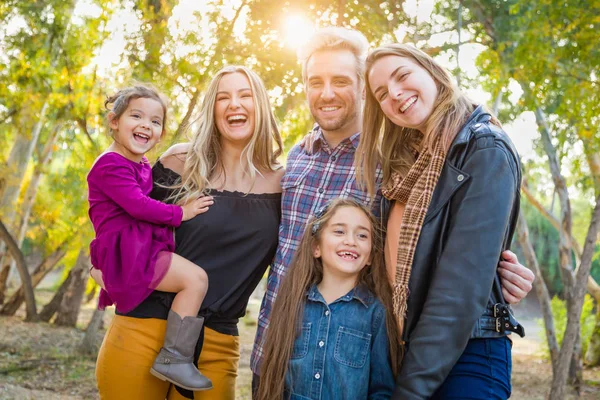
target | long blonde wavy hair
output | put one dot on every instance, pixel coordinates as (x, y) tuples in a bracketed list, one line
[(204, 161), (382, 141), (304, 271)]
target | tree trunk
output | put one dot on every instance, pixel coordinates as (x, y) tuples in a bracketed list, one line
[(497, 103), (4, 255), (564, 243), (52, 307), (89, 345), (31, 191), (92, 294), (575, 308), (71, 302), (31, 313), (47, 265), (592, 355), (540, 288), (575, 377), (18, 159), (593, 158), (5, 269)]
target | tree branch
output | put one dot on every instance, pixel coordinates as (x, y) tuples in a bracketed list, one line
[(31, 313), (540, 288), (566, 221), (479, 11), (8, 115), (574, 309)]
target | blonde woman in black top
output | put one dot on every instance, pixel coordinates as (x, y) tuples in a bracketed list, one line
[(233, 158)]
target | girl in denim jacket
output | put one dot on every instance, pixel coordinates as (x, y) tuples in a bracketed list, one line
[(329, 336)]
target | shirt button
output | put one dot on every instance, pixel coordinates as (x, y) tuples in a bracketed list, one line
[(460, 178), (333, 158), (317, 376), (321, 343), (321, 190), (327, 313)]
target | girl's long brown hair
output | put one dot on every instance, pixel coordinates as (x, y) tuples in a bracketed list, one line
[(304, 271), (382, 141)]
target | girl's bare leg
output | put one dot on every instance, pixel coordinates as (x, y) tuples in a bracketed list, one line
[(189, 282)]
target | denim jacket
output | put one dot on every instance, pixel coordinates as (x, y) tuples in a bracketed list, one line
[(342, 351)]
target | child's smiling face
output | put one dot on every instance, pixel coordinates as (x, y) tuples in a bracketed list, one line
[(139, 128), (345, 242)]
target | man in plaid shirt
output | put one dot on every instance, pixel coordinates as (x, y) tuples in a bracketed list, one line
[(332, 69), (333, 74)]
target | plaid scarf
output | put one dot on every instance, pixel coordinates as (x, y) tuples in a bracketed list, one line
[(415, 191)]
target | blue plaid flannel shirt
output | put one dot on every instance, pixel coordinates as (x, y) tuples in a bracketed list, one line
[(309, 182)]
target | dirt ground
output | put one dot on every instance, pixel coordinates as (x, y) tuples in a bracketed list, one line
[(40, 361)]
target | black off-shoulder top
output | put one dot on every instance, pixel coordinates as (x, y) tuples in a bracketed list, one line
[(234, 241)]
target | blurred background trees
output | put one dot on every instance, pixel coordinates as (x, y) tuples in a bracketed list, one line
[(535, 63)]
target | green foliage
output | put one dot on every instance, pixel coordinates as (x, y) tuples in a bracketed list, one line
[(559, 312), (544, 238)]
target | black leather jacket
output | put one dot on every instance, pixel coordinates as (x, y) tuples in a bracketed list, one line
[(454, 284)]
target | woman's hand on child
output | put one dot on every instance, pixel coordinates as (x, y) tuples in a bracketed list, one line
[(516, 279), (195, 207)]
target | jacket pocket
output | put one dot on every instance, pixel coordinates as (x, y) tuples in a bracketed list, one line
[(352, 347), (301, 343)]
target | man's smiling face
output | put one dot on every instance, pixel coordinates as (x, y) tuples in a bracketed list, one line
[(333, 90)]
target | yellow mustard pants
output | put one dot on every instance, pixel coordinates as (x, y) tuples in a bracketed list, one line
[(130, 347)]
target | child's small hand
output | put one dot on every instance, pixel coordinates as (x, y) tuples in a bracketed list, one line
[(96, 275), (195, 207)]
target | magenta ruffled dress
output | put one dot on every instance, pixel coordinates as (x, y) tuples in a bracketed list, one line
[(134, 233)]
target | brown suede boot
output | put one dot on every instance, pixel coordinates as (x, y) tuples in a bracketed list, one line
[(175, 362)]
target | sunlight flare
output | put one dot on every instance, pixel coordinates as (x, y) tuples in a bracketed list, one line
[(296, 30)]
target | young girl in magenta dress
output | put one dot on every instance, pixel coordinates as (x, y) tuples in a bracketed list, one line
[(331, 337), (132, 253)]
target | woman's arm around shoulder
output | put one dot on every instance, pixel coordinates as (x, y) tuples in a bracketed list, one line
[(174, 157)]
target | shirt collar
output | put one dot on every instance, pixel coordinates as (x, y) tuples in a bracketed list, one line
[(321, 142), (360, 293)]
